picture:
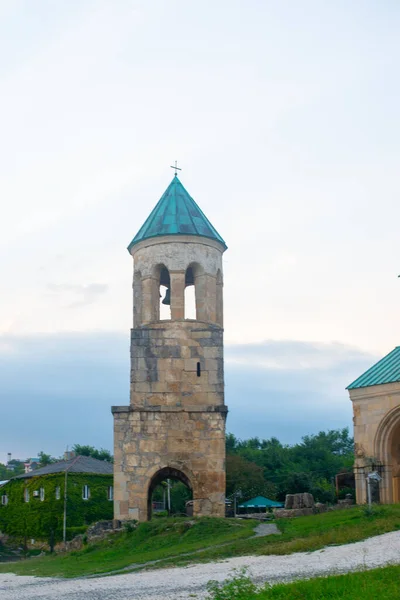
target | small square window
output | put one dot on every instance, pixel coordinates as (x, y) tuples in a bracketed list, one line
[(86, 492), (110, 492), (58, 492), (41, 494)]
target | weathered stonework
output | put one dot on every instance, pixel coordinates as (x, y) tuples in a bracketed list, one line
[(376, 418), (175, 423), (188, 441), (166, 358)]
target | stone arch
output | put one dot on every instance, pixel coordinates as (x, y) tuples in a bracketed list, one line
[(162, 283), (192, 274), (385, 430), (196, 276), (167, 472), (387, 455)]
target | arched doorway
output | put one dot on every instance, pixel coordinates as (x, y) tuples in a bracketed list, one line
[(387, 451), (395, 460), (178, 485)]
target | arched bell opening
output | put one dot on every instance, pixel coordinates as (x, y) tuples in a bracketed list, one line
[(190, 295), (169, 490), (194, 291), (163, 281)]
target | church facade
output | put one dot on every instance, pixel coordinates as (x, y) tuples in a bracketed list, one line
[(376, 415), (174, 426)]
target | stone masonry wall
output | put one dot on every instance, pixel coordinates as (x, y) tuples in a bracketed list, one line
[(176, 418), (371, 408), (164, 364), (148, 440)]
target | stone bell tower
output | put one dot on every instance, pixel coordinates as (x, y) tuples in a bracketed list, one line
[(174, 426)]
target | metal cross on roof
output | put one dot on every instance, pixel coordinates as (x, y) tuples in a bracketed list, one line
[(176, 168)]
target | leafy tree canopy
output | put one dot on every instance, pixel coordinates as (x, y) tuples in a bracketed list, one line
[(309, 466), (101, 454), (45, 459)]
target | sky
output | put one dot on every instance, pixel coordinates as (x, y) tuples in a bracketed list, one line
[(284, 118)]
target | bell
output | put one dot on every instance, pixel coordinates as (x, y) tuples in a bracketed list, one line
[(167, 299)]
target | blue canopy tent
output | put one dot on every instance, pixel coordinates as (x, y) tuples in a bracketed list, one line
[(260, 502)]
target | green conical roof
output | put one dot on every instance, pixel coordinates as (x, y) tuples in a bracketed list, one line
[(176, 213)]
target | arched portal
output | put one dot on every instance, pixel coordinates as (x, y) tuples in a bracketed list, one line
[(196, 295), (166, 474), (162, 291), (387, 452), (190, 295)]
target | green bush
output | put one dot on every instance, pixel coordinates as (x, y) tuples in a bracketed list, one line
[(375, 510), (129, 526), (237, 587)]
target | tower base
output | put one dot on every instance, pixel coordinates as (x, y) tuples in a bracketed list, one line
[(154, 443)]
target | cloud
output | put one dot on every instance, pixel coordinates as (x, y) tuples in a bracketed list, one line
[(294, 355), (87, 294), (289, 389), (57, 390)]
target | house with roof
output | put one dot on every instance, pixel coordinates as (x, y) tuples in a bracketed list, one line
[(376, 415), (63, 496), (31, 464)]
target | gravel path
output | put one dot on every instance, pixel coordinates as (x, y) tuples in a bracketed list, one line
[(183, 583), (266, 529)]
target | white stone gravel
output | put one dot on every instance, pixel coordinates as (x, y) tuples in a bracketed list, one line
[(183, 583)]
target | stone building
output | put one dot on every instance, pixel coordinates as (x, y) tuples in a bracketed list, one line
[(376, 409), (174, 426)]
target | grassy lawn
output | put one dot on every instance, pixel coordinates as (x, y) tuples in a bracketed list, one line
[(383, 584), (169, 539), (305, 534), (158, 539)]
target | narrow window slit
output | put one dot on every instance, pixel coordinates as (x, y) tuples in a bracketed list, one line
[(198, 369)]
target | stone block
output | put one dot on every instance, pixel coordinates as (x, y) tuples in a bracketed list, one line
[(297, 501), (191, 364), (133, 514), (214, 377)]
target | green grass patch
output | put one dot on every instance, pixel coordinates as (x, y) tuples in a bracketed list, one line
[(383, 583), (306, 534), (171, 541), (158, 539), (366, 585)]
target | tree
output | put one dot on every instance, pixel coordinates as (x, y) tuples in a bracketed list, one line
[(310, 465), (101, 454), (45, 459), (246, 477), (6, 473)]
